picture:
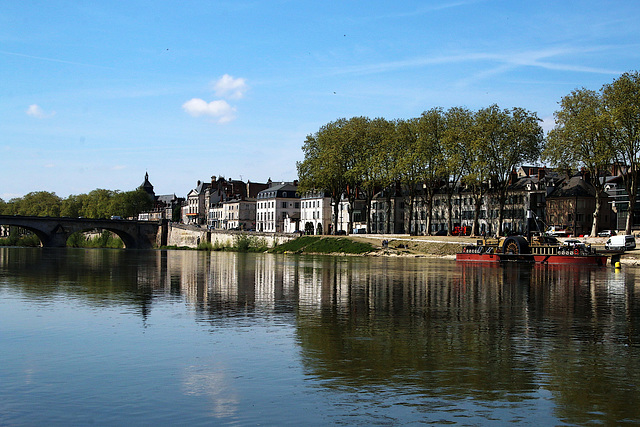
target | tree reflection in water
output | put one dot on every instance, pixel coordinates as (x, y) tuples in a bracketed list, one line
[(420, 333)]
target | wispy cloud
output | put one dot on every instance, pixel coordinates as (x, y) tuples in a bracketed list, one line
[(36, 111), (62, 61), (502, 62), (426, 9)]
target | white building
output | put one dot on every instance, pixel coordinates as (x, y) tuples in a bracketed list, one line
[(274, 205), (315, 213), (216, 215), (239, 214), (195, 210)]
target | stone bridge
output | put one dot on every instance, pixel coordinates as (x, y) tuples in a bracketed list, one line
[(54, 232)]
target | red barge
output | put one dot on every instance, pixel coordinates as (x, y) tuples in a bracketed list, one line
[(539, 250)]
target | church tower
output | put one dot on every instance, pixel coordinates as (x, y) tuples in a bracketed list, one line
[(147, 187)]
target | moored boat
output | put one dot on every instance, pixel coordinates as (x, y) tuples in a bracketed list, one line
[(538, 249)]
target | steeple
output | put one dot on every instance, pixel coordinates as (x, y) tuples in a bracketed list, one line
[(147, 187)]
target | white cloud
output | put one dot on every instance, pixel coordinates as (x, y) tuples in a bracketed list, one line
[(220, 110), (34, 110), (228, 87), (548, 123)]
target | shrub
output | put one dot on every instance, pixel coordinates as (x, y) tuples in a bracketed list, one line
[(205, 246), (247, 243)]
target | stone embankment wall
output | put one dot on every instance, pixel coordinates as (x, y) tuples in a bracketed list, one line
[(189, 236)]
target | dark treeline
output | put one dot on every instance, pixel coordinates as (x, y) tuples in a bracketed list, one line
[(97, 204), (443, 150)]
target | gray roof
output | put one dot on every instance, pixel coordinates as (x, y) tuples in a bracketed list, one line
[(574, 187), (279, 190)]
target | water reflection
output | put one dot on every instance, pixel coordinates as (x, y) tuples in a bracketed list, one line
[(424, 334)]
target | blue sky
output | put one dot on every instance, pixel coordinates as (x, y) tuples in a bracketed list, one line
[(93, 94)]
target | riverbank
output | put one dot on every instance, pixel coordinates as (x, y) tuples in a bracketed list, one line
[(447, 246)]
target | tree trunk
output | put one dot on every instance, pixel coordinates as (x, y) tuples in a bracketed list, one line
[(429, 206), (388, 213), (336, 203), (476, 216), (632, 190), (368, 213), (596, 215), (449, 213), (501, 202), (410, 219)]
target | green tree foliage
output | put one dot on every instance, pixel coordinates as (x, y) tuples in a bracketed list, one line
[(359, 141), (435, 151), (386, 156), (129, 204), (98, 203), (509, 138), (477, 176), (408, 165), (326, 162), (71, 206), (39, 203), (456, 143), (582, 138), (430, 156), (622, 102), (363, 180)]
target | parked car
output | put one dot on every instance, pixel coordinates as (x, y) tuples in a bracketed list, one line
[(621, 243), (606, 233), (574, 243), (557, 232)]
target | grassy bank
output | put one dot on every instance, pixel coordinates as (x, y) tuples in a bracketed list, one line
[(324, 245)]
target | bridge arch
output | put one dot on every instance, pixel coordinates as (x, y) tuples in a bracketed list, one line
[(128, 240), (54, 232), (42, 236)]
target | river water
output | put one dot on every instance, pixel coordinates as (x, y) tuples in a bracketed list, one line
[(114, 337)]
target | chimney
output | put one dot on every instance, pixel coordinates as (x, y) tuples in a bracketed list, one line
[(542, 172)]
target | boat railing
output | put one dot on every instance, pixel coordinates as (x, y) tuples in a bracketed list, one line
[(544, 250)]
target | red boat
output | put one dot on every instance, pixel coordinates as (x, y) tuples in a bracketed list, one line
[(540, 249)]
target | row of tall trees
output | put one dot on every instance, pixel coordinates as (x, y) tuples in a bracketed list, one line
[(98, 203), (443, 149), (437, 151), (597, 129)]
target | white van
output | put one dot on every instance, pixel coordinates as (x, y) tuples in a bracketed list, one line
[(621, 243)]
